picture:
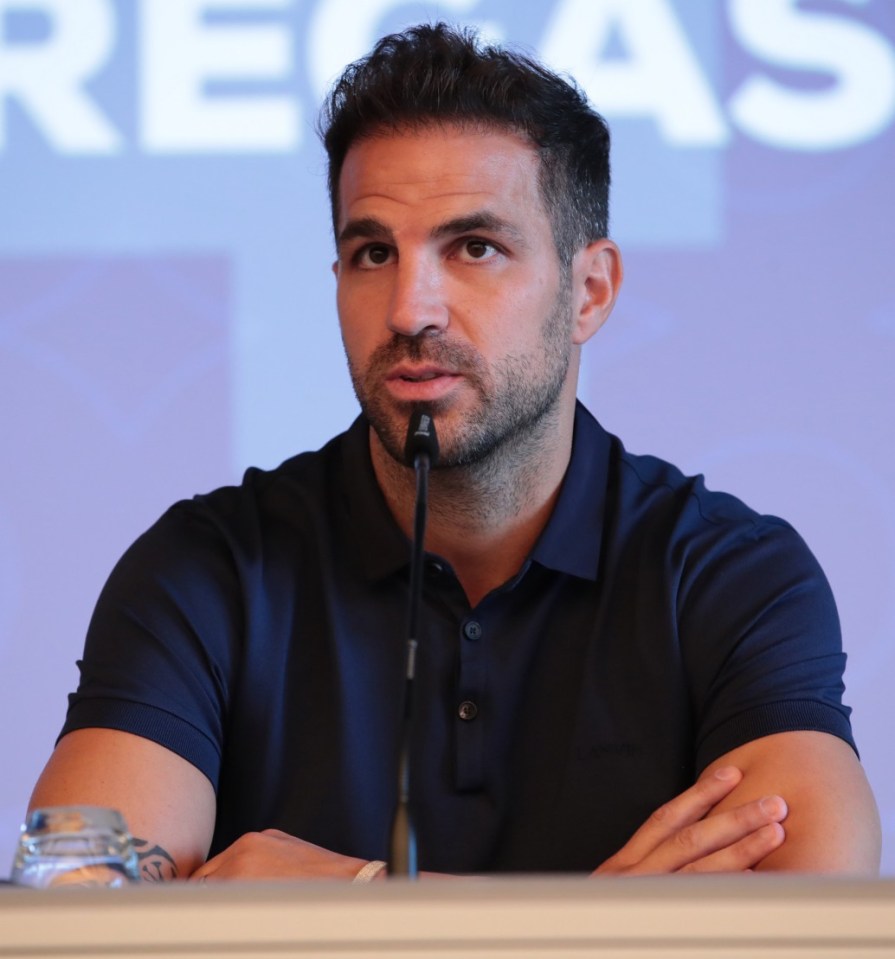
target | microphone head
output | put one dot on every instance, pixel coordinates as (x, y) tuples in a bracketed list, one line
[(421, 438)]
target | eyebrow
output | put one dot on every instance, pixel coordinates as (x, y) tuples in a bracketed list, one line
[(369, 228), (365, 228), (479, 220)]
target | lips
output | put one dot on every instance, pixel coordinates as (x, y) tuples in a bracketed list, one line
[(410, 381), (418, 374)]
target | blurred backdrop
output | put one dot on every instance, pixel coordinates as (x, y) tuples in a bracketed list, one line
[(167, 309)]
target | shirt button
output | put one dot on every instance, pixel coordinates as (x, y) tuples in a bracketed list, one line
[(472, 630), (468, 711)]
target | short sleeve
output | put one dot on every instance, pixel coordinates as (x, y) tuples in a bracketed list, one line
[(761, 638), (162, 641)]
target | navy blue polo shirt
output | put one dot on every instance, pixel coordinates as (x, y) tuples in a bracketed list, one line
[(259, 632)]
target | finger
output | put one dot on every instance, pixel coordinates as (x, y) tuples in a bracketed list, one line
[(715, 834), (202, 873), (742, 856), (279, 834), (246, 857), (689, 807), (210, 867)]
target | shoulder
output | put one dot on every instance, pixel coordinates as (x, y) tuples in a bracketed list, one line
[(214, 543), (301, 489), (308, 477), (641, 487), (643, 516), (692, 513), (711, 558), (716, 544), (679, 514)]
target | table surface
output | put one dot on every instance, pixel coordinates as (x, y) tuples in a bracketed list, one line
[(731, 916)]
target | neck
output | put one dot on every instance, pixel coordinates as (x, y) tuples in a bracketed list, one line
[(484, 518)]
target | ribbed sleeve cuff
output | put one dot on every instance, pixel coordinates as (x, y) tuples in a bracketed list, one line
[(151, 723), (785, 717)]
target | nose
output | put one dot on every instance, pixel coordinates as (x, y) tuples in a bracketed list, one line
[(417, 301)]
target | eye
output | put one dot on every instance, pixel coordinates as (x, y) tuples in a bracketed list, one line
[(476, 249), (372, 256)]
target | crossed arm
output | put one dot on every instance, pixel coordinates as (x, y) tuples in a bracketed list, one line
[(795, 801)]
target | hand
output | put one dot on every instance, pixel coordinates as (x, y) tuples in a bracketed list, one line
[(273, 854), (679, 838)]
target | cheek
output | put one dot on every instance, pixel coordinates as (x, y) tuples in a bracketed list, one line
[(360, 305), (353, 344), (351, 318), (359, 339), (517, 322)]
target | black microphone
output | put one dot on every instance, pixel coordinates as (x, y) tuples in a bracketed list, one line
[(420, 452), (421, 439)]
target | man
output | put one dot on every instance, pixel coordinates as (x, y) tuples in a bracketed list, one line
[(603, 637)]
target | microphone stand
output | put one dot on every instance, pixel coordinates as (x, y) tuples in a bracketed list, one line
[(421, 450)]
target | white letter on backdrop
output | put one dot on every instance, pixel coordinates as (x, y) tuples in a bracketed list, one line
[(182, 52), (47, 77), (660, 79), (855, 107)]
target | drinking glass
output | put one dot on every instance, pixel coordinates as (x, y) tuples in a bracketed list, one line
[(75, 845)]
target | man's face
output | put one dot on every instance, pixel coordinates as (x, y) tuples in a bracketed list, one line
[(450, 291)]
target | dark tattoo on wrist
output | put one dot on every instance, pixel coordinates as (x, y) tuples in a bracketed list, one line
[(156, 864)]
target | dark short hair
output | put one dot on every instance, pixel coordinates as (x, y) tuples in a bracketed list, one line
[(434, 73)]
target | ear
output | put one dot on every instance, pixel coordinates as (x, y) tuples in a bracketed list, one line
[(596, 279)]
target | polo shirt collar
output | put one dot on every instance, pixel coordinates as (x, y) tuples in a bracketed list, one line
[(570, 542)]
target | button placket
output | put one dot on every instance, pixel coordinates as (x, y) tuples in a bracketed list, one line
[(470, 738)]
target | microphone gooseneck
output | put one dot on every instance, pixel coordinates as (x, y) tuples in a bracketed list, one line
[(420, 452)]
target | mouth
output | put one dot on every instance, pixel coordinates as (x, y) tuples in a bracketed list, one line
[(427, 382), (419, 373)]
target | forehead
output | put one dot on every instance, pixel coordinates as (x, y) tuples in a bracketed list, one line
[(440, 169)]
